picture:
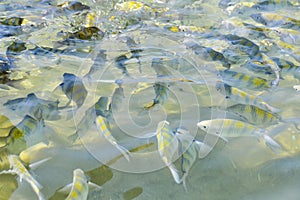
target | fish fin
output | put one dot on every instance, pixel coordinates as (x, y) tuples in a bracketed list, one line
[(73, 137), (217, 134), (202, 147), (150, 105), (124, 151), (271, 108), (94, 186), (174, 173), (10, 171), (66, 189), (183, 180), (36, 164), (271, 143), (65, 106)]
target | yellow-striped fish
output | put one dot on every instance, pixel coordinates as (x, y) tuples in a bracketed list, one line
[(207, 53), (102, 124), (268, 5), (245, 45), (255, 115), (99, 108), (161, 94), (239, 79), (167, 147), (243, 97), (80, 186), (74, 89), (24, 128), (86, 33), (134, 50), (17, 167), (287, 67), (288, 35), (189, 149), (14, 21), (276, 20), (224, 128)]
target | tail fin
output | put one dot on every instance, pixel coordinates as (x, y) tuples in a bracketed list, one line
[(202, 147), (124, 151), (272, 144), (174, 173)]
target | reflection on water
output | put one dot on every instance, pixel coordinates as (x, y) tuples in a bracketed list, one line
[(65, 65)]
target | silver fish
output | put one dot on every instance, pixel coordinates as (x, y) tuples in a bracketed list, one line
[(167, 146), (16, 167), (80, 186)]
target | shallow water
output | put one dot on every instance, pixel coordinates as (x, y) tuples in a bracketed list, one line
[(242, 168)]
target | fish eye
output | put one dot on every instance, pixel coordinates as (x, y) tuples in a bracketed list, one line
[(204, 126)]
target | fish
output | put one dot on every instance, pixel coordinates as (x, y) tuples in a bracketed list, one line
[(74, 6), (239, 79), (134, 50), (17, 167), (5, 65), (189, 148), (85, 33), (14, 21), (102, 125), (255, 115), (159, 68), (14, 49), (99, 63), (9, 132), (117, 99), (74, 89), (207, 53), (40, 109), (258, 66), (167, 147), (287, 35), (266, 65), (98, 109), (243, 97), (80, 186), (161, 94), (287, 67), (229, 128), (245, 45), (120, 63), (269, 5), (276, 20)]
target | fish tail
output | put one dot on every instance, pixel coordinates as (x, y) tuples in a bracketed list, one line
[(183, 180), (270, 108), (174, 173), (271, 143), (201, 147), (124, 151), (36, 186)]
